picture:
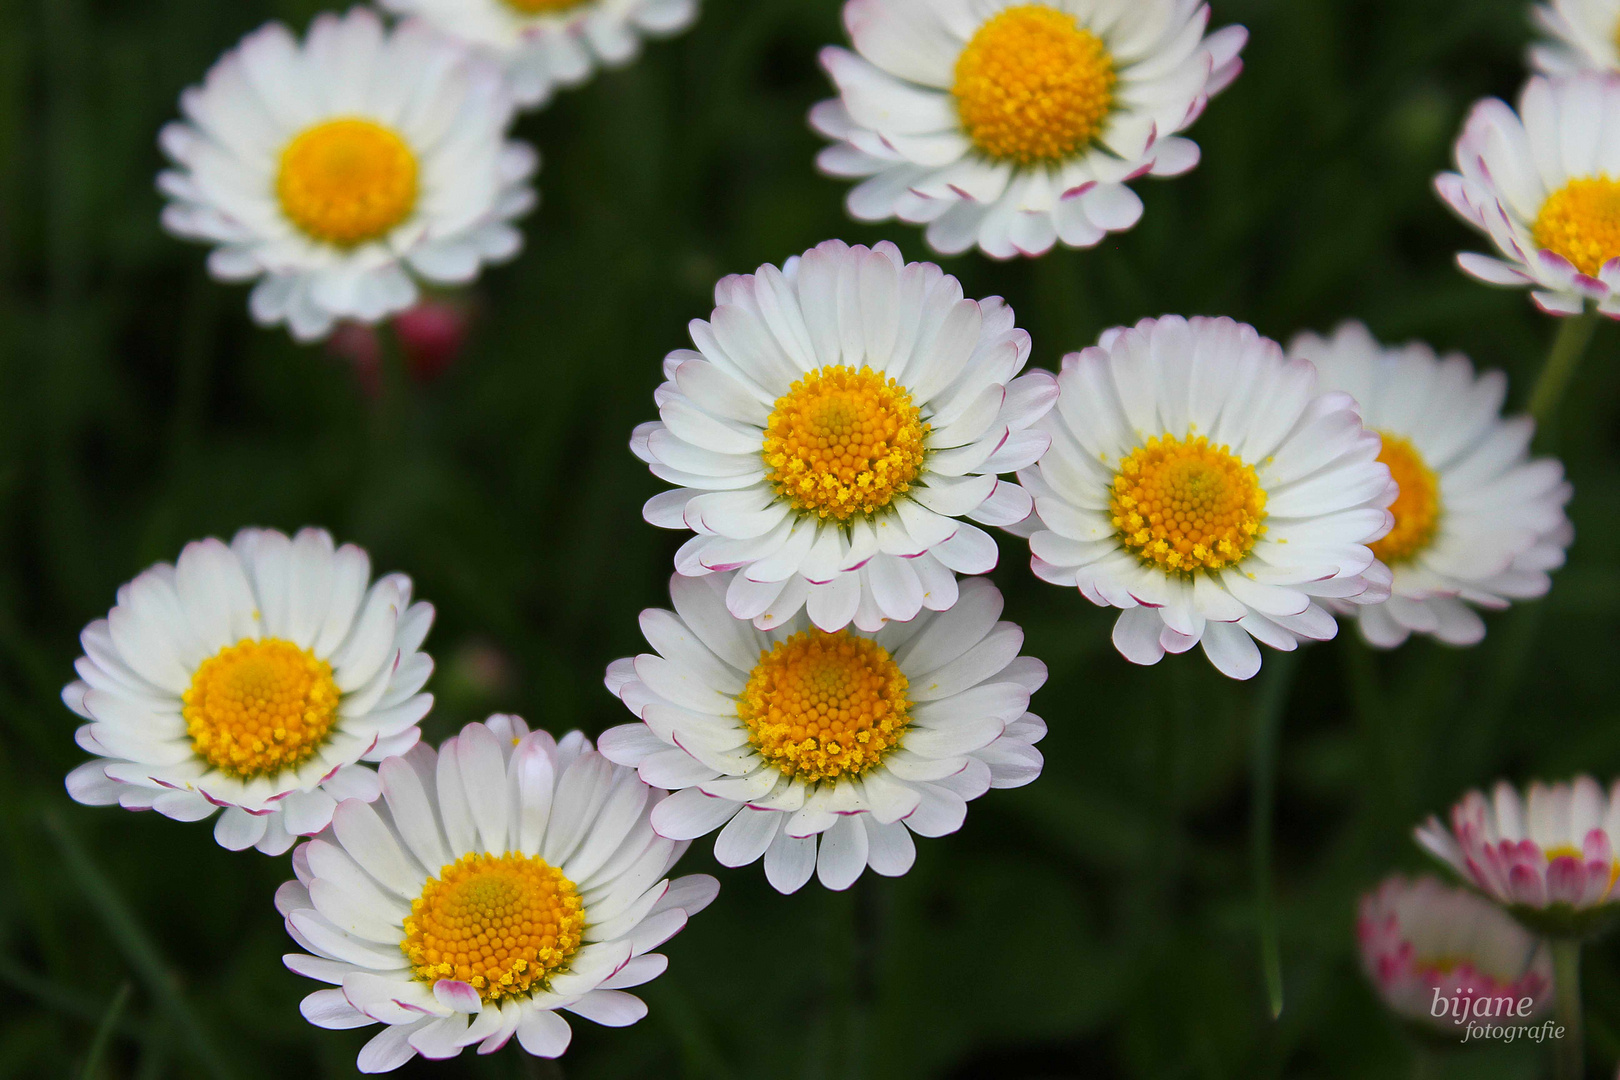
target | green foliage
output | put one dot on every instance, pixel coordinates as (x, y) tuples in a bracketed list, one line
[(1100, 923)]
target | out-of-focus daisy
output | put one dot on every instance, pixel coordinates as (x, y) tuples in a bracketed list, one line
[(1548, 855), (1544, 185), (251, 678), (546, 44), (1203, 482), (1423, 943), (839, 418), (335, 171), (505, 878), (1476, 521), (1017, 125), (793, 735), (1585, 36)]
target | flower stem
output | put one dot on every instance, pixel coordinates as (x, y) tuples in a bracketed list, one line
[(1574, 334), (1268, 711), (1569, 1057)]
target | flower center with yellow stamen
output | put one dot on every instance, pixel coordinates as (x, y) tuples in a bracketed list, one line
[(502, 923), (1416, 508), (257, 708), (1581, 222), (1033, 86), (347, 181), (543, 7), (819, 706), (843, 442), (1182, 506)]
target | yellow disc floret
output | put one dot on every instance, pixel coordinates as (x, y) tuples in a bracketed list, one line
[(1416, 508), (258, 707), (1033, 86), (1581, 222), (543, 7), (843, 442), (347, 181), (501, 923), (820, 706), (1186, 505)]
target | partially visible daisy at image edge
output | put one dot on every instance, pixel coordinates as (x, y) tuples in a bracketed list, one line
[(1478, 522), (544, 45), (250, 679), (336, 171), (1543, 183), (1017, 126), (500, 881), (1582, 35)]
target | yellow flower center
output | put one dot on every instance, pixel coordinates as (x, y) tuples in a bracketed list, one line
[(819, 706), (1033, 86), (843, 442), (1581, 222), (347, 181), (1185, 505), (1416, 508), (543, 7), (258, 707), (503, 923)]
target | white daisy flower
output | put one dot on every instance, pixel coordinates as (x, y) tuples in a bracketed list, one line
[(1016, 125), (251, 678), (794, 735), (1476, 521), (839, 418), (336, 171), (505, 878), (1424, 943), (1548, 855), (1544, 185), (1585, 36), (547, 44), (1202, 482)]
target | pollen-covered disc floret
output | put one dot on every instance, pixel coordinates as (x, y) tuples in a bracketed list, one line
[(842, 442), (825, 753), (1033, 86), (1540, 184), (513, 877), (1013, 126), (500, 923), (258, 707), (821, 706), (1204, 484), (254, 677), (1580, 35), (339, 171), (840, 418), (1478, 522), (1184, 505)]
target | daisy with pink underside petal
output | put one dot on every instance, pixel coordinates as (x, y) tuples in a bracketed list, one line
[(1584, 36), (838, 420), (1549, 855), (1544, 185), (252, 678), (1423, 942), (503, 880), (824, 753)]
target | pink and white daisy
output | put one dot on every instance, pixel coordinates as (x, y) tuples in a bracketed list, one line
[(1582, 35)]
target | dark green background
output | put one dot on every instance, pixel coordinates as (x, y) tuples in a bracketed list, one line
[(1100, 923)]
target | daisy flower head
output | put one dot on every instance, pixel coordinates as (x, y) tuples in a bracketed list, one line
[(1544, 184), (1583, 35), (547, 44), (824, 752), (503, 880), (1015, 125), (250, 678), (1547, 855), (1424, 943), (838, 420), (1202, 482), (336, 171), (1477, 521)]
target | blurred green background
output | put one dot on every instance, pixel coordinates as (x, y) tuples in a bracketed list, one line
[(1100, 923)]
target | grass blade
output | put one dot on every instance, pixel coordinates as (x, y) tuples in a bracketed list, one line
[(104, 1030), (1268, 711)]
